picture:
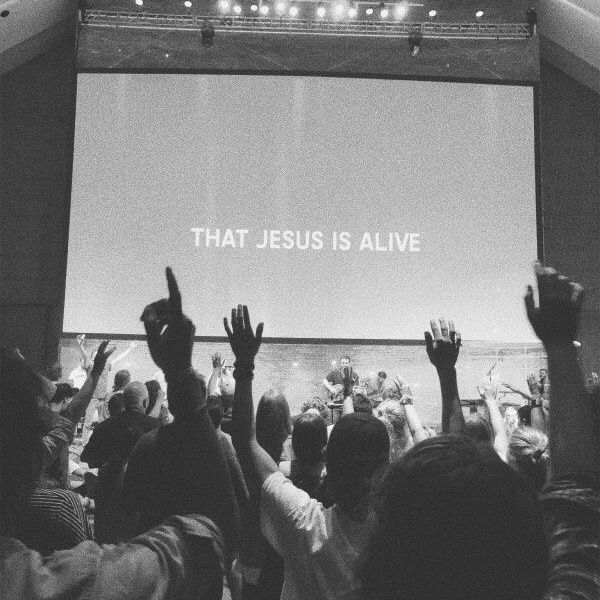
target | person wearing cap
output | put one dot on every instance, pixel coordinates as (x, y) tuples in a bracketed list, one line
[(319, 545)]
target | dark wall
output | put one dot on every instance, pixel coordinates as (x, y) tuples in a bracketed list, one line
[(37, 109), (570, 151), (36, 125)]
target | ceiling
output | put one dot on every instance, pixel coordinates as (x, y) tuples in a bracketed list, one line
[(569, 29)]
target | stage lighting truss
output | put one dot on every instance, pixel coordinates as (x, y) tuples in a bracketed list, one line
[(347, 17), (334, 10)]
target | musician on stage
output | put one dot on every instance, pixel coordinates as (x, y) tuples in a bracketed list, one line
[(341, 378)]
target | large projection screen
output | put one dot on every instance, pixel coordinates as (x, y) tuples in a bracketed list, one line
[(385, 203)]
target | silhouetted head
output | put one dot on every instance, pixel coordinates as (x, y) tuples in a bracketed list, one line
[(524, 414), (362, 404), (122, 378), (309, 438), (478, 429), (135, 396), (316, 405), (116, 404), (454, 522), (358, 447), (154, 393), (214, 405), (273, 423)]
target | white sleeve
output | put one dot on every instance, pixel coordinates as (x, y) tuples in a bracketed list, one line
[(289, 516)]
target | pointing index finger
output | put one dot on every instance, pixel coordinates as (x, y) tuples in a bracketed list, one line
[(174, 295)]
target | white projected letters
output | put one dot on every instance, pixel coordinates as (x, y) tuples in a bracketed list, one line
[(232, 238), (276, 239)]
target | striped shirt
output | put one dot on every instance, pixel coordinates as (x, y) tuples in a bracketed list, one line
[(53, 520)]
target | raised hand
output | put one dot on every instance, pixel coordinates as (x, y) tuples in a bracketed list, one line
[(402, 387), (169, 332), (102, 355), (532, 384), (556, 319), (244, 343), (443, 347), (218, 362), (488, 392)]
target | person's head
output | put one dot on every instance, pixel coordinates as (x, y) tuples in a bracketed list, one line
[(524, 414), (345, 362), (362, 404), (116, 404), (478, 429), (20, 437), (390, 392), (122, 378), (309, 438), (214, 405), (543, 374), (135, 396), (454, 522), (315, 405), (528, 455), (63, 393), (53, 372), (393, 415), (273, 423), (357, 450), (381, 377), (155, 394)]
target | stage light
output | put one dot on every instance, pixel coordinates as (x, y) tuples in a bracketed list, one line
[(253, 7), (400, 11), (384, 13), (187, 4), (432, 14), (280, 7), (237, 9), (321, 12), (294, 11), (224, 5), (369, 11), (139, 2), (264, 9), (352, 12), (479, 14)]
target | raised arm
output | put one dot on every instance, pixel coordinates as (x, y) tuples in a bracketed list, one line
[(515, 390), (255, 461), (412, 415), (574, 439), (119, 357), (442, 349), (218, 363), (193, 440), (489, 394), (78, 405), (85, 357)]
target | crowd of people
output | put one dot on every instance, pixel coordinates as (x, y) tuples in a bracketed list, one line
[(198, 494)]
